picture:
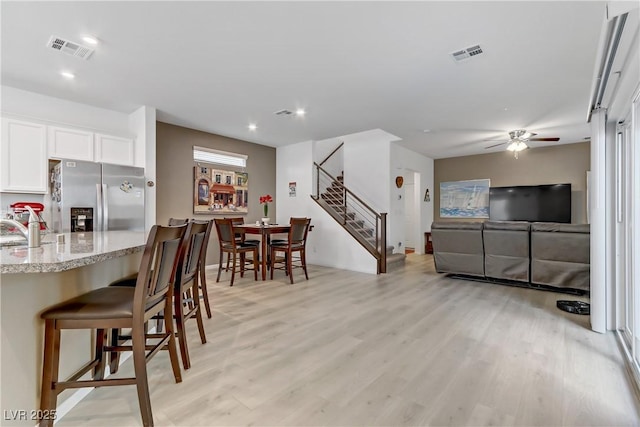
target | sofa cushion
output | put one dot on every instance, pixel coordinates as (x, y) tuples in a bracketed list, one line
[(560, 255), (506, 250)]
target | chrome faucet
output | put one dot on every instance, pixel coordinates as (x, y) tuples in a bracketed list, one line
[(20, 227)]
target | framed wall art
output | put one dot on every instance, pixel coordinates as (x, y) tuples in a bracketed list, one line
[(219, 191), (465, 199)]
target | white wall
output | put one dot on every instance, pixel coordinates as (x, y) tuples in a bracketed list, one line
[(328, 244), (335, 164), (142, 123), (366, 163), (369, 159), (403, 162)]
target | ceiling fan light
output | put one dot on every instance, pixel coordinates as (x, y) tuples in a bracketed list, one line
[(517, 146)]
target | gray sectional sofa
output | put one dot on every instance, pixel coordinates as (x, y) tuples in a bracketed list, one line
[(529, 254)]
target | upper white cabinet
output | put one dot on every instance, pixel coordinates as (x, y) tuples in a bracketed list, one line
[(114, 149), (27, 146), (23, 157), (67, 143), (77, 144)]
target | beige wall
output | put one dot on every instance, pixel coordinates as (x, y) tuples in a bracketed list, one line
[(174, 163), (559, 164)]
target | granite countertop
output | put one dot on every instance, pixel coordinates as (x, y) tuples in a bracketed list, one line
[(79, 249)]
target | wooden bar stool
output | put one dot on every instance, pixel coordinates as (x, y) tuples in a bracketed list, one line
[(202, 272), (119, 307), (186, 294)]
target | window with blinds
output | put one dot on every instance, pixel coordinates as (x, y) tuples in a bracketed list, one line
[(208, 155)]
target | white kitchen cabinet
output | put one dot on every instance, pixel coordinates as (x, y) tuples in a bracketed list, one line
[(114, 149), (68, 143), (23, 157)]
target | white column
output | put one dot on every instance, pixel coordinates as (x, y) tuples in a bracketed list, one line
[(597, 217), (142, 123)]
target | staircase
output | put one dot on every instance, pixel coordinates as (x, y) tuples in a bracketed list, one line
[(364, 224)]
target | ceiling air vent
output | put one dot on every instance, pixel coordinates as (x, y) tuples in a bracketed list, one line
[(283, 113), (461, 55), (69, 47)]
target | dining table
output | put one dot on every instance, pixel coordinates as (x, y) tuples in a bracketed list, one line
[(265, 231)]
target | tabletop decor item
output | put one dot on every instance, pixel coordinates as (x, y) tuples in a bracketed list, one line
[(265, 200)]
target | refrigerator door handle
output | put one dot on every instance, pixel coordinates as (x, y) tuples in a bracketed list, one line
[(97, 226), (105, 208)]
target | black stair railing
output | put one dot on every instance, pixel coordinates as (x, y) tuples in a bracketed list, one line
[(366, 225)]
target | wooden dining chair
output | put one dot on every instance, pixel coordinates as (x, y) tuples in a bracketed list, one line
[(237, 250), (118, 307), (177, 221), (239, 236), (296, 243)]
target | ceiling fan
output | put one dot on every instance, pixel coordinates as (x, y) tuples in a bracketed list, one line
[(517, 141)]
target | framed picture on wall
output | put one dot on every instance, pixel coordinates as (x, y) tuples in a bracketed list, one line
[(465, 199), (220, 191)]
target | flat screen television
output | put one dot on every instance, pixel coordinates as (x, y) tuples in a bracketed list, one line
[(542, 203)]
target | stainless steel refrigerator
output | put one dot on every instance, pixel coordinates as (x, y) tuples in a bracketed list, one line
[(89, 196)]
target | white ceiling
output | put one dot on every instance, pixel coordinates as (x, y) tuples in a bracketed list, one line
[(354, 66)]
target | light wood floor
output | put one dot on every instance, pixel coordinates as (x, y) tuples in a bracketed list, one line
[(407, 348)]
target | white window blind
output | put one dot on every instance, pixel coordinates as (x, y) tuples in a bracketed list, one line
[(208, 155)]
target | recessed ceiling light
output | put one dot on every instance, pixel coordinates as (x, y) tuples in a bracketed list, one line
[(67, 75), (253, 126), (90, 40), (426, 130), (300, 112)]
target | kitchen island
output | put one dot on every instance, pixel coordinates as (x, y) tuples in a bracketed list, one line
[(33, 279)]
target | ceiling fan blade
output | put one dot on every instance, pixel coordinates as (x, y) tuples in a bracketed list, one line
[(544, 139), (495, 145)]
